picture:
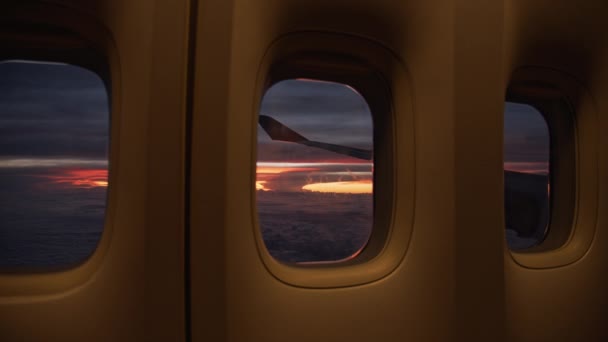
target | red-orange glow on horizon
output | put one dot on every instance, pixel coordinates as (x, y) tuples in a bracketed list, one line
[(82, 178), (527, 167), (276, 170), (349, 187), (268, 173)]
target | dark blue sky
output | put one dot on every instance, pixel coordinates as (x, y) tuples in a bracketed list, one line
[(334, 113), (322, 111), (526, 137), (52, 111)]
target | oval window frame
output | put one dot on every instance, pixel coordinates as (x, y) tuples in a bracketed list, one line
[(57, 34), (575, 204), (370, 69)]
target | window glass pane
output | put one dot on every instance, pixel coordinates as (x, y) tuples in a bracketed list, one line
[(314, 171), (526, 164), (54, 125)]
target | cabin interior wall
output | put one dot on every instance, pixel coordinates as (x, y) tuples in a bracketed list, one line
[(209, 157), (457, 281), (473, 79), (477, 176), (257, 305), (132, 288), (565, 303)]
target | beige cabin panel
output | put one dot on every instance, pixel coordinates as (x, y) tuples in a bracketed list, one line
[(566, 301), (132, 288)]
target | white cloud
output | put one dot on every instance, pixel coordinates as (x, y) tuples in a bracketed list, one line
[(51, 162)]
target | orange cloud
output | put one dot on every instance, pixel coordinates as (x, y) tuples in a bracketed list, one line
[(259, 185), (350, 187), (82, 178), (276, 170), (527, 167), (268, 173)]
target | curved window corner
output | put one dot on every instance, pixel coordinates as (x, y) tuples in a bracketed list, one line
[(54, 141), (550, 163)]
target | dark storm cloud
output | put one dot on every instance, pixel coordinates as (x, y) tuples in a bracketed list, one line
[(526, 134), (313, 97), (49, 110), (53, 138), (320, 111), (334, 113), (285, 152)]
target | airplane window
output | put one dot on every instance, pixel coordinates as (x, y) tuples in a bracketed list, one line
[(526, 176), (314, 171), (54, 132)]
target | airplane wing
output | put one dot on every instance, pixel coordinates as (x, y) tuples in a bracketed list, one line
[(280, 132)]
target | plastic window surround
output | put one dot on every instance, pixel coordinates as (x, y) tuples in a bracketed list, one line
[(572, 122), (374, 73), (54, 33)]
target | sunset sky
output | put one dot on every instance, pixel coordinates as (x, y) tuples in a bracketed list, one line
[(526, 137), (334, 113), (54, 122), (320, 111)]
